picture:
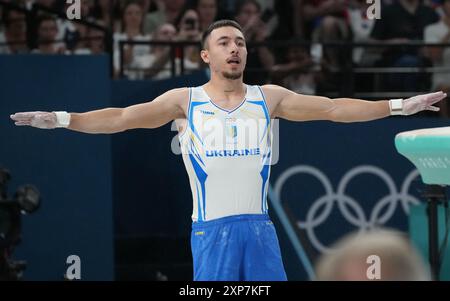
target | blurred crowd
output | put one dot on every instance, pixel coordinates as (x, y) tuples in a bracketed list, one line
[(307, 68)]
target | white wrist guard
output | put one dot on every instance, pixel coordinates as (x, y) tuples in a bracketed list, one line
[(62, 119), (396, 106)]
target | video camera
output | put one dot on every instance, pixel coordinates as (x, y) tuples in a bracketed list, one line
[(26, 200)]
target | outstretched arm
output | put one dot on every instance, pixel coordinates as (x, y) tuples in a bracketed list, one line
[(161, 110), (297, 107)]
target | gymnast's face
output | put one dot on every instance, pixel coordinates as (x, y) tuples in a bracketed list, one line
[(226, 52)]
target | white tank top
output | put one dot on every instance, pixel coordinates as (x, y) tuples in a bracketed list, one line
[(227, 155)]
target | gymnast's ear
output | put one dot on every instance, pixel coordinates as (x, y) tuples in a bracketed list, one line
[(205, 56)]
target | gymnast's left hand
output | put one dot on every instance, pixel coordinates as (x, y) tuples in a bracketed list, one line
[(422, 102)]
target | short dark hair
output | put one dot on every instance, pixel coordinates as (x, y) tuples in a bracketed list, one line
[(219, 24)]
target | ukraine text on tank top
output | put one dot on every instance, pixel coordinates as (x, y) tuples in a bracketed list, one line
[(227, 155)]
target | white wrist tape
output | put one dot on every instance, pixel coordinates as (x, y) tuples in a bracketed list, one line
[(396, 106), (62, 119)]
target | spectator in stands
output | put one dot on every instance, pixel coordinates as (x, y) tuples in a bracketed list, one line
[(260, 59), (269, 15), (159, 63), (402, 22), (96, 42), (326, 21), (440, 56), (13, 39), (108, 13), (132, 21), (227, 8), (80, 45), (188, 26), (361, 27), (47, 30), (353, 256), (296, 73), (207, 12), (167, 13), (74, 34)]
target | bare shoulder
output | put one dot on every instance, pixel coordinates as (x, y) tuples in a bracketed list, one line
[(178, 97), (274, 94), (271, 87)]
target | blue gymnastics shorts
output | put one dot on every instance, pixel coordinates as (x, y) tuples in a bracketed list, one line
[(237, 248)]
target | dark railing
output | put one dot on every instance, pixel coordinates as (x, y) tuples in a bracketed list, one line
[(348, 70), (174, 46)]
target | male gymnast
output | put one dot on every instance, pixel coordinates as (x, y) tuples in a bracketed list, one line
[(232, 235)]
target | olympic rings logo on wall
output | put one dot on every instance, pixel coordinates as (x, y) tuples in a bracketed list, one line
[(315, 217)]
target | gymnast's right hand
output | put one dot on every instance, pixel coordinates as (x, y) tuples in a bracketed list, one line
[(41, 120)]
